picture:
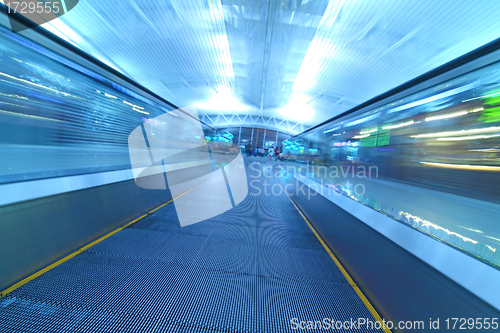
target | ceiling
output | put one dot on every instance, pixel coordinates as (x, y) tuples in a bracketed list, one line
[(302, 61)]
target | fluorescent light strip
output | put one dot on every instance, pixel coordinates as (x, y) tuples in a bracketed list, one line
[(434, 98), (369, 131), (362, 120), (361, 136), (445, 116), (488, 150), (140, 110), (472, 131), (398, 125), (472, 99), (134, 106), (464, 166), (472, 137), (34, 84), (28, 116), (331, 130)]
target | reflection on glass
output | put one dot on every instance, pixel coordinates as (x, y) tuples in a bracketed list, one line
[(58, 118), (437, 156)]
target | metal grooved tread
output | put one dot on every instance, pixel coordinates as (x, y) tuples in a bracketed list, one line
[(251, 269)]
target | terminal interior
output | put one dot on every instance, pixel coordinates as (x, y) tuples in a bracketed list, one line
[(249, 166)]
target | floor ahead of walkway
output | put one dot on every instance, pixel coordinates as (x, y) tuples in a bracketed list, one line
[(251, 269)]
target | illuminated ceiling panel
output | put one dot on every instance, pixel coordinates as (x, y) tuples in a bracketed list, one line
[(302, 60), (272, 40)]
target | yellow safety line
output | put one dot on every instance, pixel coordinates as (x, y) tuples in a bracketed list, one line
[(80, 250), (177, 197), (353, 284)]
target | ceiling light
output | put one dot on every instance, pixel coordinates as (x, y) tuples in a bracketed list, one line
[(464, 166), (298, 109), (445, 94), (223, 104), (398, 125), (369, 131), (363, 120), (462, 132), (471, 137), (331, 130), (445, 116), (472, 99)]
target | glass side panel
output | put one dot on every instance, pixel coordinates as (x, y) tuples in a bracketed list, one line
[(59, 119), (430, 160)]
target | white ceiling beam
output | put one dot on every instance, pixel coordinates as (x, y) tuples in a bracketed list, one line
[(294, 126), (210, 119)]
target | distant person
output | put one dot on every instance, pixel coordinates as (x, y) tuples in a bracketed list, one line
[(277, 153), (271, 153)]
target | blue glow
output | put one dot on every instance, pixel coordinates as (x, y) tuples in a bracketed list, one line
[(362, 120), (331, 130), (299, 142), (53, 55), (445, 94), (79, 68), (133, 94), (227, 135), (46, 98)]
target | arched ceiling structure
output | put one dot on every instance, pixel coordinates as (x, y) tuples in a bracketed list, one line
[(284, 62)]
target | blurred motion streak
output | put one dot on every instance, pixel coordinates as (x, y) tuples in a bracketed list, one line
[(438, 156)]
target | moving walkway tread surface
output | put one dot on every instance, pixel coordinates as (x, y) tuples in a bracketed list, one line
[(399, 285), (251, 269)]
